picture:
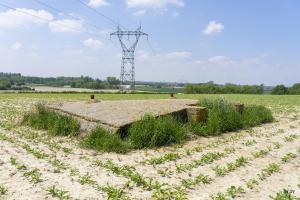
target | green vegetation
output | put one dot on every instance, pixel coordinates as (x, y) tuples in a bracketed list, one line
[(60, 194), (54, 122), (7, 80), (212, 88), (3, 190), (285, 195), (281, 89), (224, 117), (156, 132), (102, 140), (151, 131)]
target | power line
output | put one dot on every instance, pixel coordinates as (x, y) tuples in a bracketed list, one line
[(99, 13), (36, 16), (60, 11)]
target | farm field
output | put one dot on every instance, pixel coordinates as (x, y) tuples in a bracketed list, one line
[(255, 163)]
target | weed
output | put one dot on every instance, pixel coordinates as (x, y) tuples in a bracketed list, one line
[(60, 194), (223, 117), (101, 140), (155, 132), (54, 122)]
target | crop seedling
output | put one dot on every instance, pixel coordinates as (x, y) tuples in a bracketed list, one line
[(189, 183), (290, 138), (164, 158), (288, 157), (268, 171), (60, 194), (252, 183), (3, 190), (284, 195), (219, 196), (34, 175), (250, 142), (113, 193), (86, 180), (234, 191)]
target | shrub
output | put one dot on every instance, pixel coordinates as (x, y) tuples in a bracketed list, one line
[(101, 140), (224, 117), (54, 122), (156, 132)]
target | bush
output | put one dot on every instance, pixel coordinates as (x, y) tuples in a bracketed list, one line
[(54, 122), (156, 132), (223, 117), (101, 140)]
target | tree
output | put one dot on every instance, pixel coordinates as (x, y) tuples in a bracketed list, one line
[(280, 90)]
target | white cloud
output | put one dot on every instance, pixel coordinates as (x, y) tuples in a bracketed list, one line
[(98, 3), (16, 46), (18, 18), (140, 13), (213, 27), (66, 25), (212, 61), (154, 3), (178, 55), (93, 43)]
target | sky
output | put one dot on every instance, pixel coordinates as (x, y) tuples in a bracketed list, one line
[(190, 41)]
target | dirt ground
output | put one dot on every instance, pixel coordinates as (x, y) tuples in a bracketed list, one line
[(31, 163)]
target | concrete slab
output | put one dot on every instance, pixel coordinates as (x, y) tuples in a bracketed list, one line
[(116, 114)]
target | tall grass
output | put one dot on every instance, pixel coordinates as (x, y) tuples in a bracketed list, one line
[(101, 140), (156, 132), (224, 117), (54, 122)]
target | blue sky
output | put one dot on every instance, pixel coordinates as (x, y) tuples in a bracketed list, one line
[(244, 42)]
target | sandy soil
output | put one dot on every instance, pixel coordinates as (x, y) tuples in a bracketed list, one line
[(85, 174)]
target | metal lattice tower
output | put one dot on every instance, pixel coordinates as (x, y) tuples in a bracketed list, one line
[(127, 67)]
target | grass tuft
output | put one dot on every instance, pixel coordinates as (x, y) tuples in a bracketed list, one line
[(54, 122), (156, 132), (101, 140), (224, 117)]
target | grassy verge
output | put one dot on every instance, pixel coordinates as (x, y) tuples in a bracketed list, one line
[(55, 123)]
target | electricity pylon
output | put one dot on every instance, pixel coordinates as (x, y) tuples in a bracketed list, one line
[(127, 67)]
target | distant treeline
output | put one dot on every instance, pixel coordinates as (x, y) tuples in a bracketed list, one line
[(212, 88), (282, 90), (13, 80)]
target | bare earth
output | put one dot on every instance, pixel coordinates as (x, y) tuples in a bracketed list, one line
[(85, 174)]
